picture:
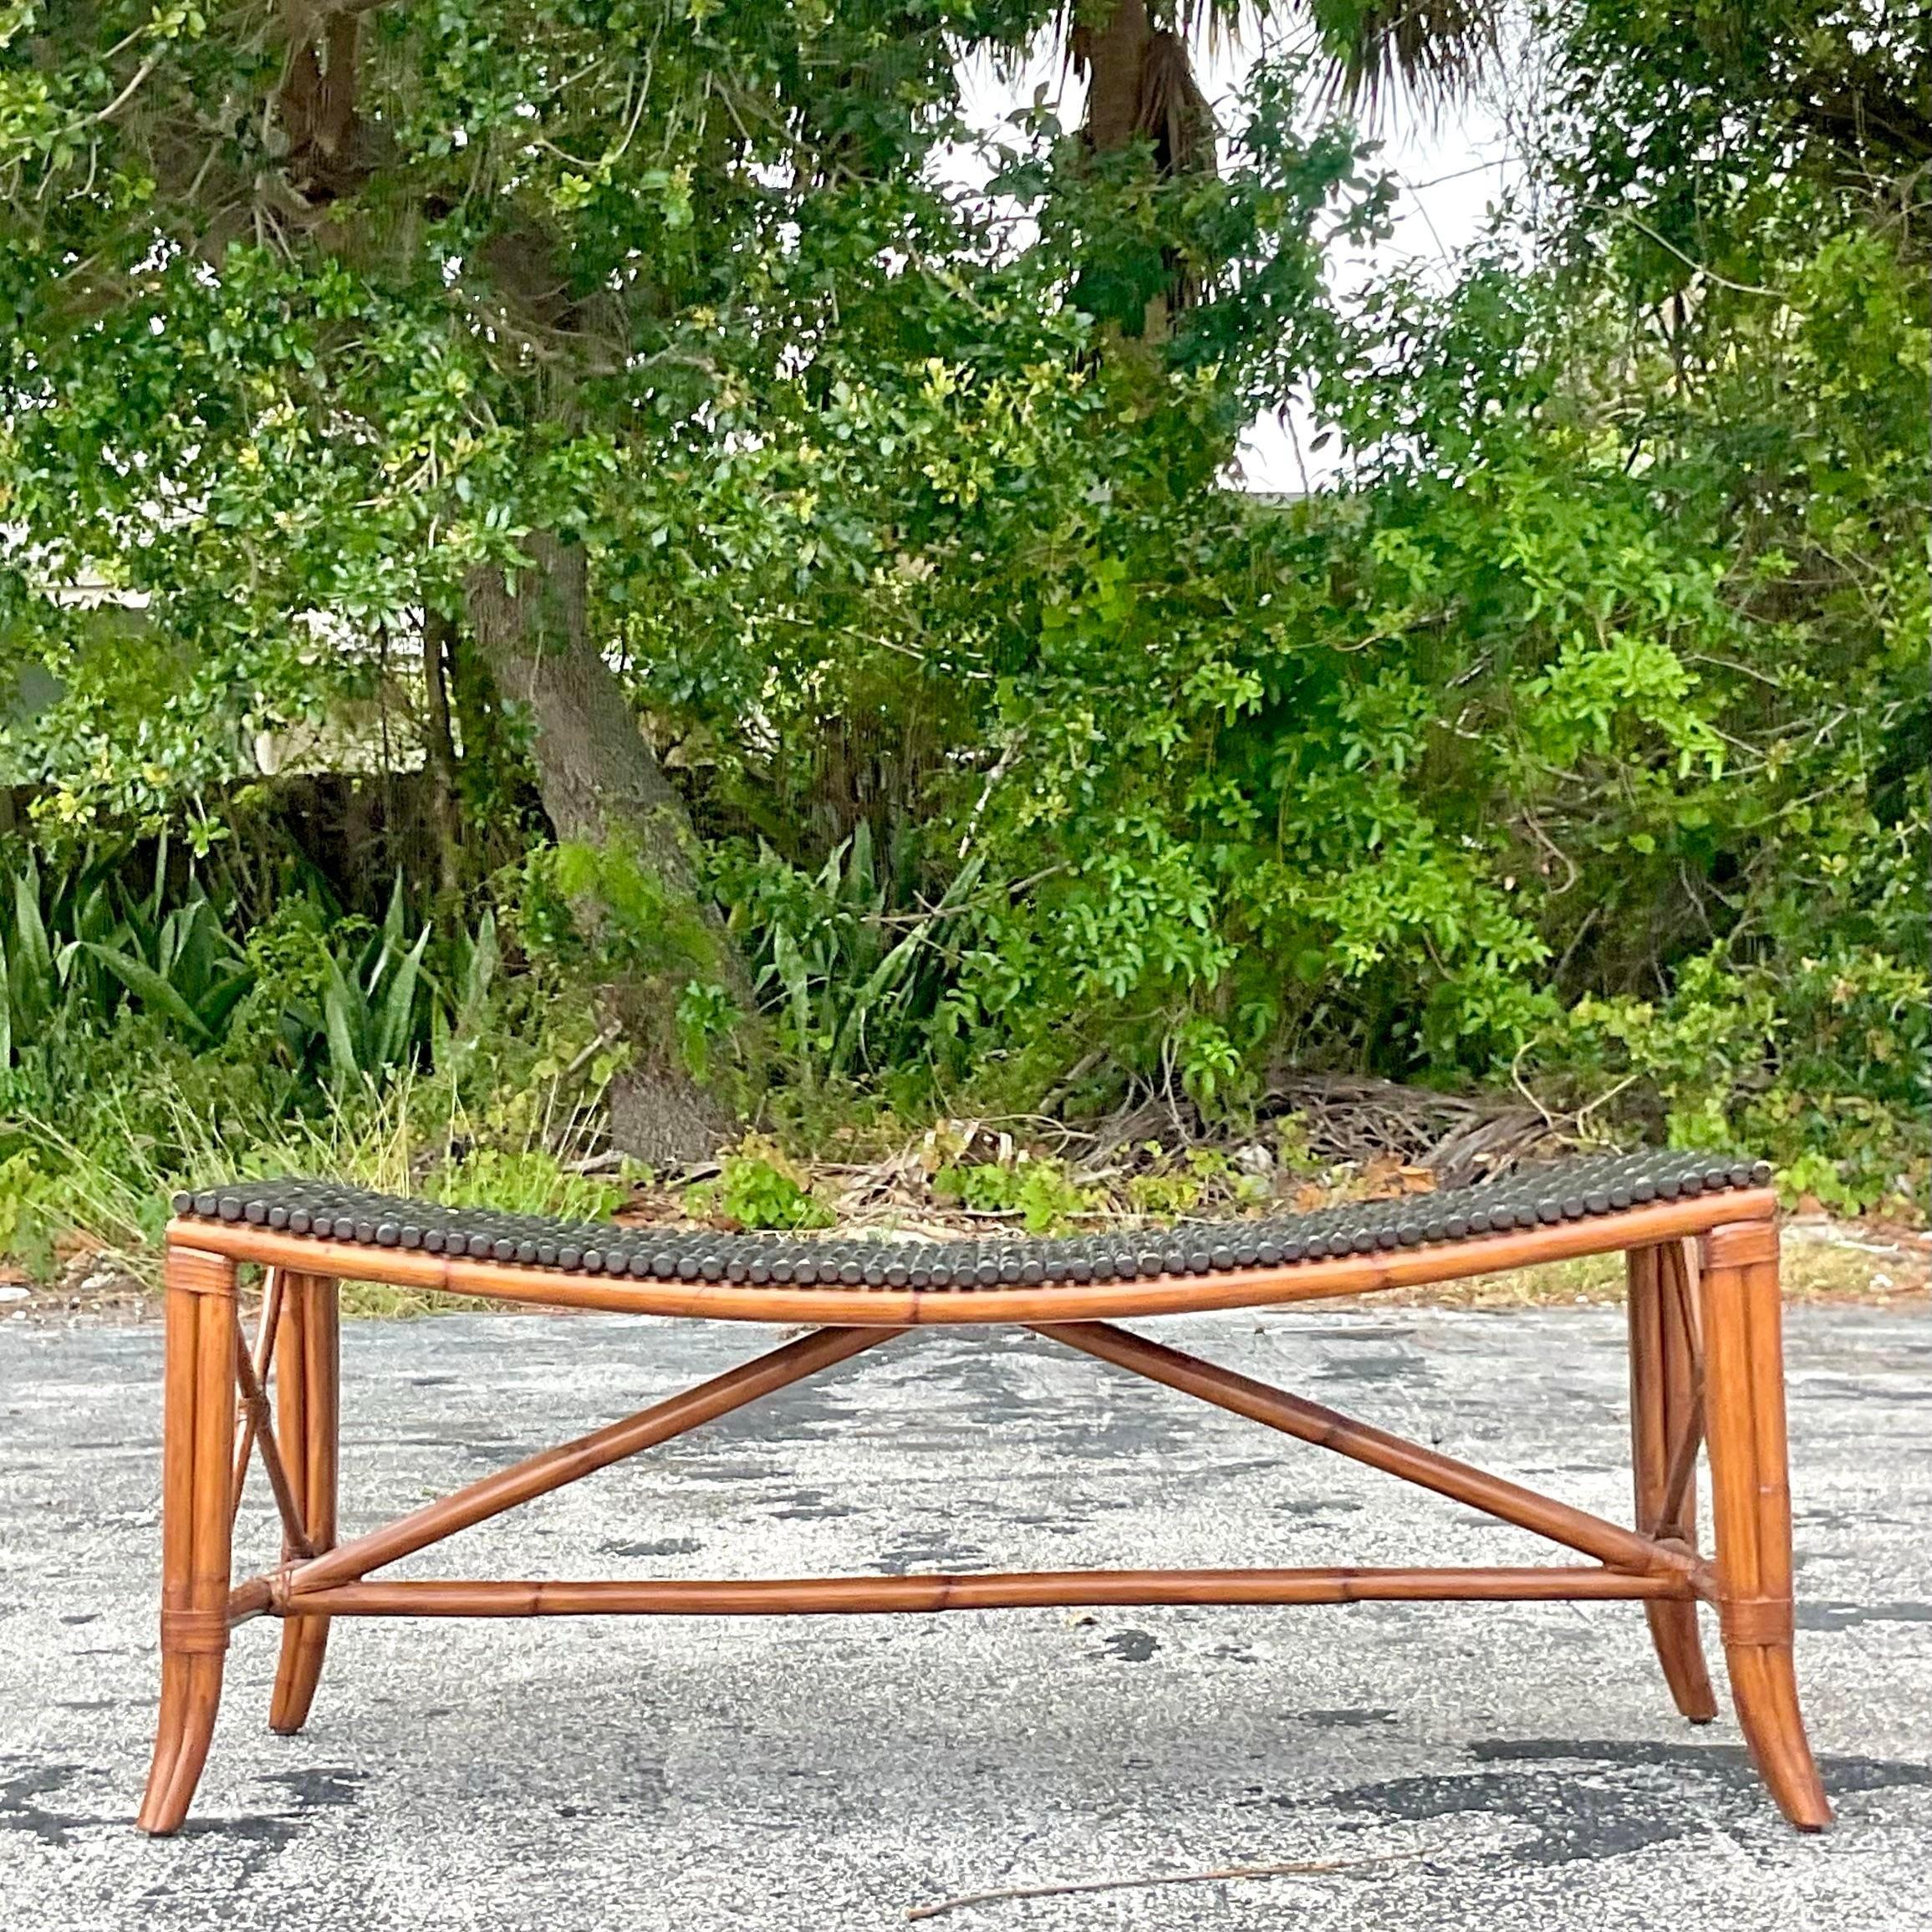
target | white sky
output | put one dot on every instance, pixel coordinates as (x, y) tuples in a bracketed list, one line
[(1451, 172)]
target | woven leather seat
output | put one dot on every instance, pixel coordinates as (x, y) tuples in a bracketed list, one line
[(1534, 1196)]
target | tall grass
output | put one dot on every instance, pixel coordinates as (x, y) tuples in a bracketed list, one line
[(413, 1135)]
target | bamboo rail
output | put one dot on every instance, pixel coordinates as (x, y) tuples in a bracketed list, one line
[(267, 1324), (308, 1378), (537, 1474), (1666, 1427), (1683, 1394), (1744, 1362), (260, 1427), (1025, 1589)]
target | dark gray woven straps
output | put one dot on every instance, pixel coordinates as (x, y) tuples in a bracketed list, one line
[(1533, 1196)]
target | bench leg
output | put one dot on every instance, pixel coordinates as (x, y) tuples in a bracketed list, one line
[(1751, 1493), (307, 1383), (198, 1447), (1664, 1403)]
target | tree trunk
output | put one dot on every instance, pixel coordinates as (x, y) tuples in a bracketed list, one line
[(1114, 55), (1141, 86), (440, 741), (603, 787)]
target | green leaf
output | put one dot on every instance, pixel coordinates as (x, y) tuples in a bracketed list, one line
[(217, 1006), (345, 1015), (392, 1035), (870, 995), (794, 978), (147, 986), (392, 920), (153, 906), (479, 973), (33, 962), (194, 967)]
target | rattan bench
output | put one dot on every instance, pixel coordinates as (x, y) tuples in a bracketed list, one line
[(1699, 1236)]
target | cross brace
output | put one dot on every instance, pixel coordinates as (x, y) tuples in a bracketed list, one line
[(333, 1582)]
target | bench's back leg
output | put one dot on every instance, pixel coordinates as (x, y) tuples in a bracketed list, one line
[(307, 1385), (197, 1476), (1750, 1496), (1663, 1404)]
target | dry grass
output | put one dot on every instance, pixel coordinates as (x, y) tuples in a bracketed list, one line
[(378, 1301)]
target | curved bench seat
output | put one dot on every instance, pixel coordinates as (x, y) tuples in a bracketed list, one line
[(1593, 1204)]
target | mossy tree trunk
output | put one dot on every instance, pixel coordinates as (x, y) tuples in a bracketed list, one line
[(604, 788)]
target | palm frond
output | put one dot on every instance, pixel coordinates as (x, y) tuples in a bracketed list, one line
[(1435, 50)]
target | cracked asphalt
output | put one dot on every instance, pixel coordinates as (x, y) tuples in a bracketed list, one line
[(1491, 1767)]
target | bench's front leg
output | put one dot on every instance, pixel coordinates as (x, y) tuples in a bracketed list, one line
[(308, 1408), (198, 1447), (1750, 1496)]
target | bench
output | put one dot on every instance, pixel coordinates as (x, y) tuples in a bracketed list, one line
[(1699, 1236)]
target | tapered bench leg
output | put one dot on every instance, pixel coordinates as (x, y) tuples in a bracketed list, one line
[(308, 1382), (198, 1445), (1664, 1400), (1751, 1494)]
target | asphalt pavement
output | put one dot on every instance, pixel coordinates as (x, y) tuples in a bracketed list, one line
[(1482, 1766)]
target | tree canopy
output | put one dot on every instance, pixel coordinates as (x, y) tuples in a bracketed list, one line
[(807, 575)]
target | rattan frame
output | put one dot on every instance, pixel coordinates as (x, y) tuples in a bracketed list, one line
[(1706, 1371)]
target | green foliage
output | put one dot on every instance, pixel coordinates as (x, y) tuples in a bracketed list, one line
[(303, 986), (851, 966), (637, 922), (527, 1181), (1822, 1069), (18, 1175), (152, 1044), (1203, 1177), (1038, 1190), (101, 1171), (598, 916), (367, 1009), (1579, 732), (757, 1188), (80, 944), (32, 988), (190, 973)]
